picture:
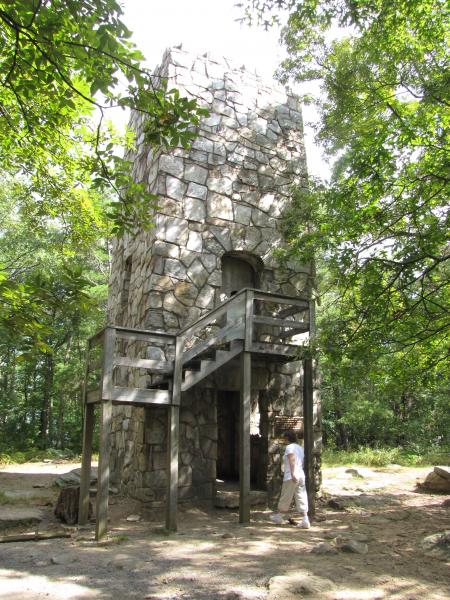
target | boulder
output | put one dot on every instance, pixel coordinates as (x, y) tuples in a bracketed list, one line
[(73, 478), (437, 545), (17, 517), (434, 482), (443, 472)]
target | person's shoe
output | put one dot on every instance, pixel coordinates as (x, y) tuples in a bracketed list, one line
[(304, 523), (276, 518)]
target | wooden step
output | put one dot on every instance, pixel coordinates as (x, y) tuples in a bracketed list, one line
[(191, 378)]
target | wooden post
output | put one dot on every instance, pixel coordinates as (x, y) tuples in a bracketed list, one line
[(244, 438), (173, 421), (249, 301), (105, 433), (177, 370), (85, 480), (101, 525), (308, 432)]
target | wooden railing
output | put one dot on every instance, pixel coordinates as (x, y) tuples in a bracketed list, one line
[(101, 371), (265, 323)]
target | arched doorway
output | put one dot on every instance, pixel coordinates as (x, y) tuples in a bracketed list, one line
[(240, 270)]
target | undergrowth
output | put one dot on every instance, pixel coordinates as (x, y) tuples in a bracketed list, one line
[(382, 457), (35, 455)]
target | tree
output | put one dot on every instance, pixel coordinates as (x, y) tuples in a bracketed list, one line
[(379, 230), (382, 222), (64, 65), (52, 297), (61, 59)]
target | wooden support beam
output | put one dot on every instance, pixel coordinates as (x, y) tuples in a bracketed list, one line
[(101, 525), (123, 395), (173, 426), (178, 370), (104, 450), (244, 438), (85, 479), (160, 366), (249, 306), (308, 432), (296, 325)]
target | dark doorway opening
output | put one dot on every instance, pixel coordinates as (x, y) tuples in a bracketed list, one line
[(228, 436), (228, 419)]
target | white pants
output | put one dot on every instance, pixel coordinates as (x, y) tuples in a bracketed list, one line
[(292, 490)]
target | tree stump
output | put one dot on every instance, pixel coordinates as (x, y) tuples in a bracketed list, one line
[(66, 509)]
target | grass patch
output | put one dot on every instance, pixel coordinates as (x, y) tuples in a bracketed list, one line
[(381, 457), (35, 455), (6, 499)]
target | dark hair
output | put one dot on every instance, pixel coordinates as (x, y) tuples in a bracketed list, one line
[(291, 436)]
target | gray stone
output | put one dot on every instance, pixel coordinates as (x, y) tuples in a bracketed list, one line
[(197, 273), (73, 477), (221, 185), (173, 305), (353, 546), (434, 482), (220, 207), (186, 293), (175, 268), (202, 144), (442, 472), (172, 229), (166, 250), (175, 188), (195, 190), (194, 209), (242, 214), (324, 548), (206, 297), (195, 241), (209, 261), (437, 545), (17, 517), (172, 165), (195, 173)]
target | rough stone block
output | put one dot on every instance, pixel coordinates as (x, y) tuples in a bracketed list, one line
[(172, 165), (195, 173), (175, 188), (195, 190), (174, 268), (195, 241)]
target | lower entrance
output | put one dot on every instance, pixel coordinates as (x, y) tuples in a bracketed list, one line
[(228, 421)]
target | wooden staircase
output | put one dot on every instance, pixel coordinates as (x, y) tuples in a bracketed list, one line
[(268, 327)]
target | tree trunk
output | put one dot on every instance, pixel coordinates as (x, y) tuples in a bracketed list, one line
[(46, 428)]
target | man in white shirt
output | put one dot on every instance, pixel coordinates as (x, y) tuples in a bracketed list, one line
[(293, 482)]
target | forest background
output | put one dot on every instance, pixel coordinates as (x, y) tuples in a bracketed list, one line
[(377, 231)]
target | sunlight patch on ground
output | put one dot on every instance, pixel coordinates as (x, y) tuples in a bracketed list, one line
[(14, 587)]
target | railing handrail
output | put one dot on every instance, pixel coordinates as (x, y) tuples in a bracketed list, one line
[(211, 315), (151, 332)]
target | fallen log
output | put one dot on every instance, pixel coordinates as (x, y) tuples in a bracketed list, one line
[(34, 537)]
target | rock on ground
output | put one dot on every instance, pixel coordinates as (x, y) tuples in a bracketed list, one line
[(298, 585), (16, 517)]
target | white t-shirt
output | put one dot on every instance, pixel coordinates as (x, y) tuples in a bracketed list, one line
[(298, 453)]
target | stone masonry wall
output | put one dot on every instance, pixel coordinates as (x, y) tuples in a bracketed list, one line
[(227, 193)]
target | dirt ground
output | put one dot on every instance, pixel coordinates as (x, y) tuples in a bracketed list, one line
[(212, 557)]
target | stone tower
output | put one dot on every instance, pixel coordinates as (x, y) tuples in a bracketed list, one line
[(218, 226)]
